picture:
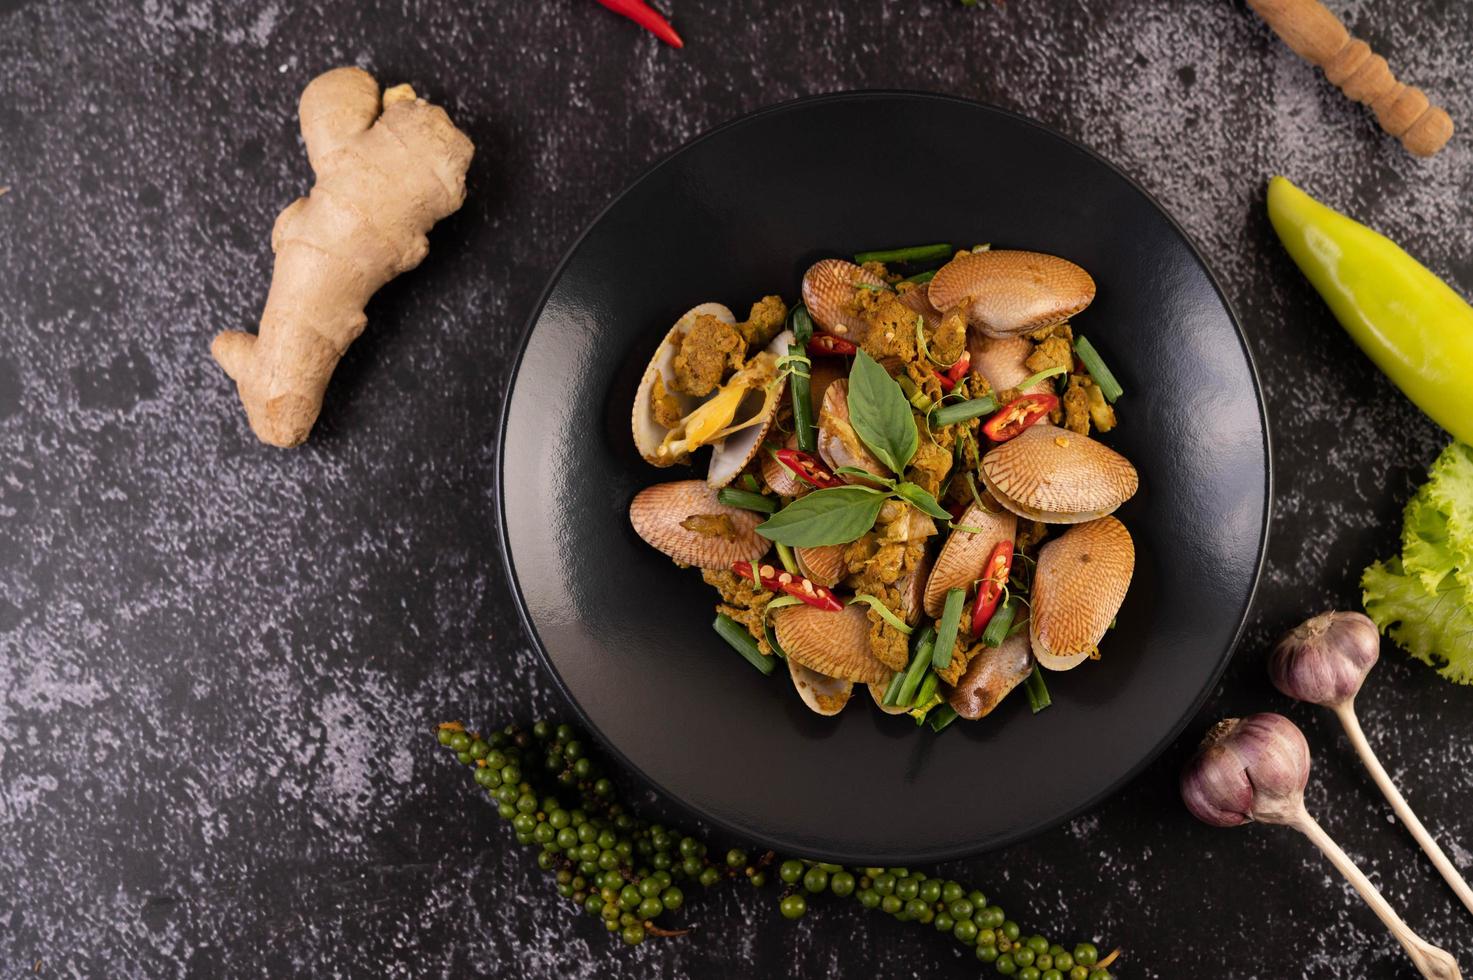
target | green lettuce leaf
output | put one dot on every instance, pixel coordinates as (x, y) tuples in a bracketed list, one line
[(1450, 489), (1426, 549), (1435, 627)]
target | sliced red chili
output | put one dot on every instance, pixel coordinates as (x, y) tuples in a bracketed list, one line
[(780, 580), (1018, 415), (989, 591), (808, 468), (647, 17), (827, 345), (955, 373)]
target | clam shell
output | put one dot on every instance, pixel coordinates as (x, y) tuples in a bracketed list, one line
[(824, 564), (828, 292), (919, 300), (877, 693), (778, 477), (648, 434), (912, 586), (835, 644), (1080, 583), (823, 695), (990, 676), (731, 455), (824, 372), (656, 513), (964, 555), (838, 443), (1059, 477), (1007, 292), (1000, 361)]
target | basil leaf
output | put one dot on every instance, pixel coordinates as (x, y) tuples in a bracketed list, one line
[(880, 414), (922, 500), (835, 516)]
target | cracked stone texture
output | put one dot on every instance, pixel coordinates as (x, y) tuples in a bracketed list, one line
[(219, 662)]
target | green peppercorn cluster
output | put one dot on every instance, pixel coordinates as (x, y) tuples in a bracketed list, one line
[(627, 872)]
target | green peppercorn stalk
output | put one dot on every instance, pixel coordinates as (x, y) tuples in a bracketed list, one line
[(629, 873)]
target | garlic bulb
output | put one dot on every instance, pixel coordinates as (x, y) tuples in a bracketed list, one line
[(1325, 660), (1252, 768)]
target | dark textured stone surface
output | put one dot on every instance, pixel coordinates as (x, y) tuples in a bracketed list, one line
[(219, 662)]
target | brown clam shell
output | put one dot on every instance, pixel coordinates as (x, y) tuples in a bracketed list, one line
[(912, 586), (828, 293), (1080, 582), (778, 477), (990, 676), (835, 644), (647, 432), (657, 512), (1006, 292), (1001, 361), (823, 372), (919, 300), (823, 695), (964, 555), (1059, 477), (838, 443), (877, 693), (730, 456), (824, 564)]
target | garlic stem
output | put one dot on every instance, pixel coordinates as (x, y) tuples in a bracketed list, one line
[(1346, 713), (1433, 963)]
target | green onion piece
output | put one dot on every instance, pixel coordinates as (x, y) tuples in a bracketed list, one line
[(879, 606), (1034, 379), (944, 715), (750, 482), (892, 692), (1000, 623), (741, 641), (963, 411), (927, 691), (913, 673), (802, 326), (746, 500), (771, 633), (802, 402), (915, 253), (951, 618), (1038, 696), (921, 278), (872, 287), (785, 555), (1109, 387)]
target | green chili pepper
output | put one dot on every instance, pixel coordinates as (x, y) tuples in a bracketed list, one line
[(1412, 324)]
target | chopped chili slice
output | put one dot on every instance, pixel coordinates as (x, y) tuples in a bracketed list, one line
[(647, 17), (825, 345), (777, 579), (1018, 415), (808, 468), (955, 373), (989, 590)]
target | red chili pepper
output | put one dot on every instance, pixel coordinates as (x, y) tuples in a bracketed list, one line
[(827, 345), (1018, 415), (647, 17), (989, 590), (779, 580), (955, 373), (808, 468)]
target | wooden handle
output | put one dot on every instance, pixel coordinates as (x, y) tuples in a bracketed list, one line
[(1317, 36)]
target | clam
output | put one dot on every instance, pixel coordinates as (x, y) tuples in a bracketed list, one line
[(838, 443), (778, 477), (919, 300), (685, 521), (990, 676), (899, 522), (964, 556), (835, 644), (1000, 361), (733, 418), (823, 372), (1005, 293), (828, 292), (1078, 587), (912, 587), (1059, 477), (824, 564), (877, 692), (823, 695)]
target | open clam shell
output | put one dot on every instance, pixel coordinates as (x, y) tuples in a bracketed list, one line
[(823, 564), (717, 535), (823, 695), (1080, 582), (778, 477), (1005, 292), (828, 293), (964, 555), (1001, 361), (991, 676), (648, 433), (919, 300), (1059, 477), (877, 693), (731, 455), (835, 644), (838, 443), (912, 587)]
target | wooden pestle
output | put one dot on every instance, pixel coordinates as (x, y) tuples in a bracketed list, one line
[(1314, 33)]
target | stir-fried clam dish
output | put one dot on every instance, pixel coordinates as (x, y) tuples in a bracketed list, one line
[(903, 491)]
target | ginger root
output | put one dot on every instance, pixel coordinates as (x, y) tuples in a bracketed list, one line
[(387, 169)]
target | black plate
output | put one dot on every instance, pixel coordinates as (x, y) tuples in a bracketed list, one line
[(741, 212)]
